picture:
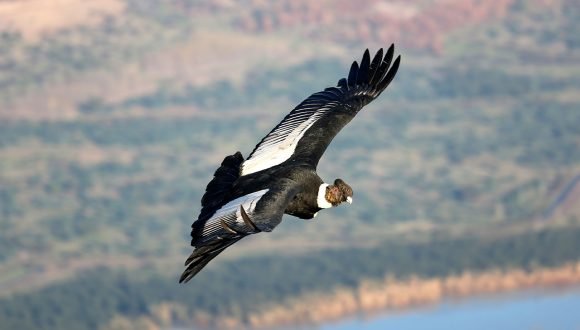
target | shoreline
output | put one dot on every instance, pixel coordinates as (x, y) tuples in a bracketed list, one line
[(372, 298), (534, 308)]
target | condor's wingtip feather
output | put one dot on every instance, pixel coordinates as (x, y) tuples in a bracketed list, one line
[(363, 71), (390, 74), (376, 73), (375, 64), (352, 74), (383, 66)]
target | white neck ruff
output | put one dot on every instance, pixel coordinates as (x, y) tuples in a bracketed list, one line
[(321, 199)]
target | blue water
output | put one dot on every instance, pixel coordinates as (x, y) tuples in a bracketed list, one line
[(531, 310)]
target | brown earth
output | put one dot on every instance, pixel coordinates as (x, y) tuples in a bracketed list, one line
[(392, 294), (34, 18), (369, 298)]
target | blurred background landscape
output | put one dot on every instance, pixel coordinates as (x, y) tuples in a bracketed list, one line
[(115, 113)]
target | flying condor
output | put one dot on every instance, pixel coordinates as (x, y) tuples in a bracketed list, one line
[(248, 196)]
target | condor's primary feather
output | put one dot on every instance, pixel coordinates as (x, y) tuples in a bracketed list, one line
[(248, 196)]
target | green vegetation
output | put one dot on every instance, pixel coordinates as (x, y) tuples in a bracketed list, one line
[(482, 137), (244, 286), (260, 86), (471, 105), (74, 200)]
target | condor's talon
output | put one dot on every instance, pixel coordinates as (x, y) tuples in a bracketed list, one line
[(247, 220)]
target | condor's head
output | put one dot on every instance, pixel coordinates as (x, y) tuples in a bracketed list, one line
[(334, 194)]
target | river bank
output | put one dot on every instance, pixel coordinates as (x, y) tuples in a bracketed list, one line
[(367, 299), (372, 297), (547, 308)]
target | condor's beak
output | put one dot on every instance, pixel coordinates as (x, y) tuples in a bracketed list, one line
[(349, 200)]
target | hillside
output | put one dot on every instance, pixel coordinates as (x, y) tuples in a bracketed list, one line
[(114, 114)]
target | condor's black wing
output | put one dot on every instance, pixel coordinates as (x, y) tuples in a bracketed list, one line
[(306, 131), (252, 213)]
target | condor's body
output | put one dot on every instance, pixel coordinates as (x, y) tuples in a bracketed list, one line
[(248, 196)]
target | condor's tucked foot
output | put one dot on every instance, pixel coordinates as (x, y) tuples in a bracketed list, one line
[(247, 221)]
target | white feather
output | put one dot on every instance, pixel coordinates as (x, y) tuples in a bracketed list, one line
[(321, 199), (281, 143), (231, 211)]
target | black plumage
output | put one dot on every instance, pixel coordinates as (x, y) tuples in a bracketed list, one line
[(248, 196), (217, 188)]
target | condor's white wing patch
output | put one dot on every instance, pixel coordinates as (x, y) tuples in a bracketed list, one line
[(364, 84), (230, 214), (279, 145)]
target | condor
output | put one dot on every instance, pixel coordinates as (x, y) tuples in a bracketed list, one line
[(248, 196)]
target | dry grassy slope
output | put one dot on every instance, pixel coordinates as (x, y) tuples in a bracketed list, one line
[(210, 53), (205, 57), (215, 51), (34, 19), (417, 24)]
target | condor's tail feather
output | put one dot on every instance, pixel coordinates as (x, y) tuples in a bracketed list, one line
[(201, 256)]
